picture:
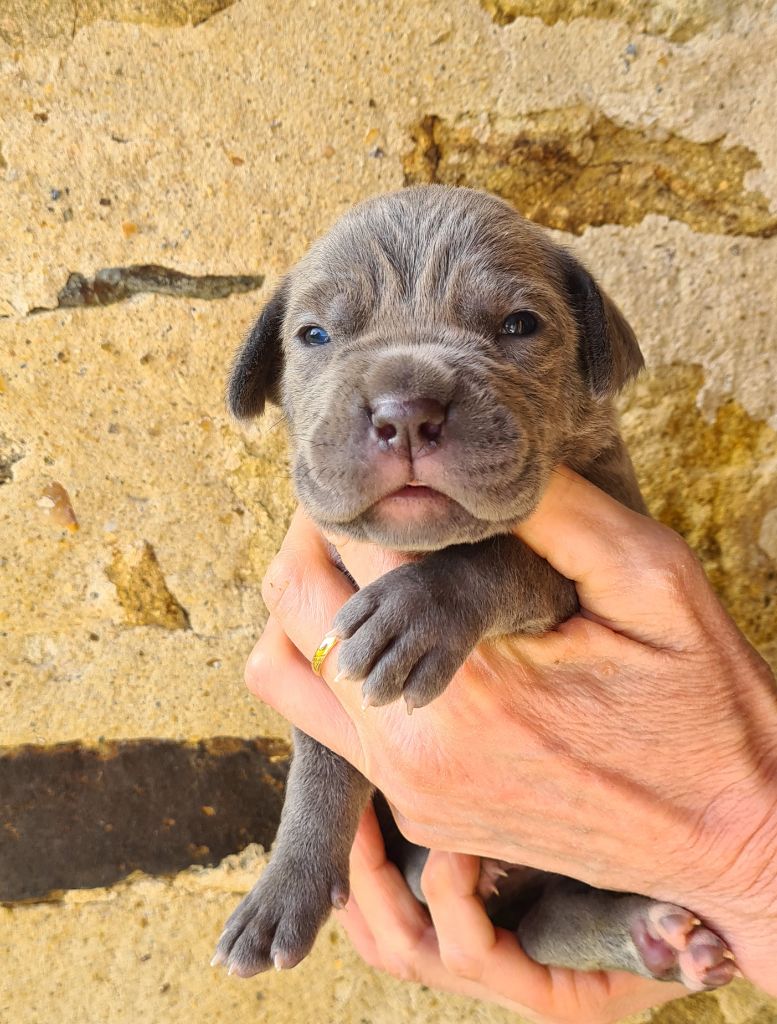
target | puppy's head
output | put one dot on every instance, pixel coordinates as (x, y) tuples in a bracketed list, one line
[(435, 355)]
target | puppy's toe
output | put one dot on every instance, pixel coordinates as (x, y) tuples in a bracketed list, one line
[(386, 680), (706, 962), (365, 649), (356, 611), (430, 676)]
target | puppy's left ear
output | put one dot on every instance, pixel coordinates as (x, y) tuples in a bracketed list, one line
[(256, 371), (608, 350)]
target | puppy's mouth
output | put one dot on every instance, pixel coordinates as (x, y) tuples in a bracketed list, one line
[(412, 500), (414, 491)]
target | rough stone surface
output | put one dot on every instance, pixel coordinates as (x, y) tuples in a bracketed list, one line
[(32, 22), (714, 483), (154, 155), (139, 954), (679, 20), (570, 170)]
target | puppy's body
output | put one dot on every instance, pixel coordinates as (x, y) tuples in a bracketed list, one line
[(436, 357)]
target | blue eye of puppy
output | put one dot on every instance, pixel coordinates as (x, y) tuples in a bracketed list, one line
[(521, 323), (315, 335)]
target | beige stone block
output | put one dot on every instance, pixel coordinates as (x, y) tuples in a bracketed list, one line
[(139, 621), (138, 954)]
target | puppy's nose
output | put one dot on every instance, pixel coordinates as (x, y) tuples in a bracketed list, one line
[(403, 423)]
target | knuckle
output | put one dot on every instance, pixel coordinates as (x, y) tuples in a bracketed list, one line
[(461, 963), (258, 671), (281, 579), (412, 830), (675, 552), (671, 565), (434, 879), (400, 967)]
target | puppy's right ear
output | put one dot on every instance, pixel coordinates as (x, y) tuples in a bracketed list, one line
[(256, 371), (608, 352)]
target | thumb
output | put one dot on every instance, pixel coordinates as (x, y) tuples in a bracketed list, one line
[(631, 573)]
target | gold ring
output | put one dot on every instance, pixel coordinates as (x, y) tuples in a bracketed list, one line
[(326, 645)]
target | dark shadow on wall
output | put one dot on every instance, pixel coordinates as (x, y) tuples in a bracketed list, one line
[(73, 816)]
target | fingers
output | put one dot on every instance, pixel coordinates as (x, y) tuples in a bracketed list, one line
[(630, 571), (464, 933), (397, 921), (302, 589), (280, 676), (461, 951), (470, 946)]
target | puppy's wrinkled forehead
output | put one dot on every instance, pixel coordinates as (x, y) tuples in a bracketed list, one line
[(446, 252)]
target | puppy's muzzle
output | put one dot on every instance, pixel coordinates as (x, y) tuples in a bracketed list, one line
[(407, 425)]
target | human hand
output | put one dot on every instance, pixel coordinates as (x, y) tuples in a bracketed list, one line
[(452, 945), (647, 715)]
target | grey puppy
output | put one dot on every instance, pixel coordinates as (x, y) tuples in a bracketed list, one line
[(436, 356)]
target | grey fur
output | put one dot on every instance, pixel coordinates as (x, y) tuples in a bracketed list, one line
[(413, 288)]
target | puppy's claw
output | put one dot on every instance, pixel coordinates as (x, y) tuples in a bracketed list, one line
[(217, 960), (339, 897), (343, 677)]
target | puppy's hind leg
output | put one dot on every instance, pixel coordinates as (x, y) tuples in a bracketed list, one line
[(277, 922), (574, 925)]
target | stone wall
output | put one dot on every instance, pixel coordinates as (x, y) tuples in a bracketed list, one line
[(161, 163)]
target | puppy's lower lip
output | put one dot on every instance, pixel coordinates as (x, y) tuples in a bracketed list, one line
[(415, 491)]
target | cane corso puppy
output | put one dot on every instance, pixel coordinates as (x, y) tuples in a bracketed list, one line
[(436, 356)]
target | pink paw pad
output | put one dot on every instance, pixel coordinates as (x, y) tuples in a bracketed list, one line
[(674, 944)]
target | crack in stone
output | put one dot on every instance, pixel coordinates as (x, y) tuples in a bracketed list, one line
[(677, 20), (713, 482), (31, 25), (117, 284), (10, 453), (142, 590), (573, 168)]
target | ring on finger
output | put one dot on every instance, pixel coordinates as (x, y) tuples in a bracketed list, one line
[(319, 657)]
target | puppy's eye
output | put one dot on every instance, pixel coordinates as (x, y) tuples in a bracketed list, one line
[(523, 322), (315, 335)]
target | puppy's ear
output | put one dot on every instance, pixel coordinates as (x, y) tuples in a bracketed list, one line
[(256, 371), (609, 354)]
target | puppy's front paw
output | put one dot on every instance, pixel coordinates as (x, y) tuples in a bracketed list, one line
[(406, 635), (277, 922)]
